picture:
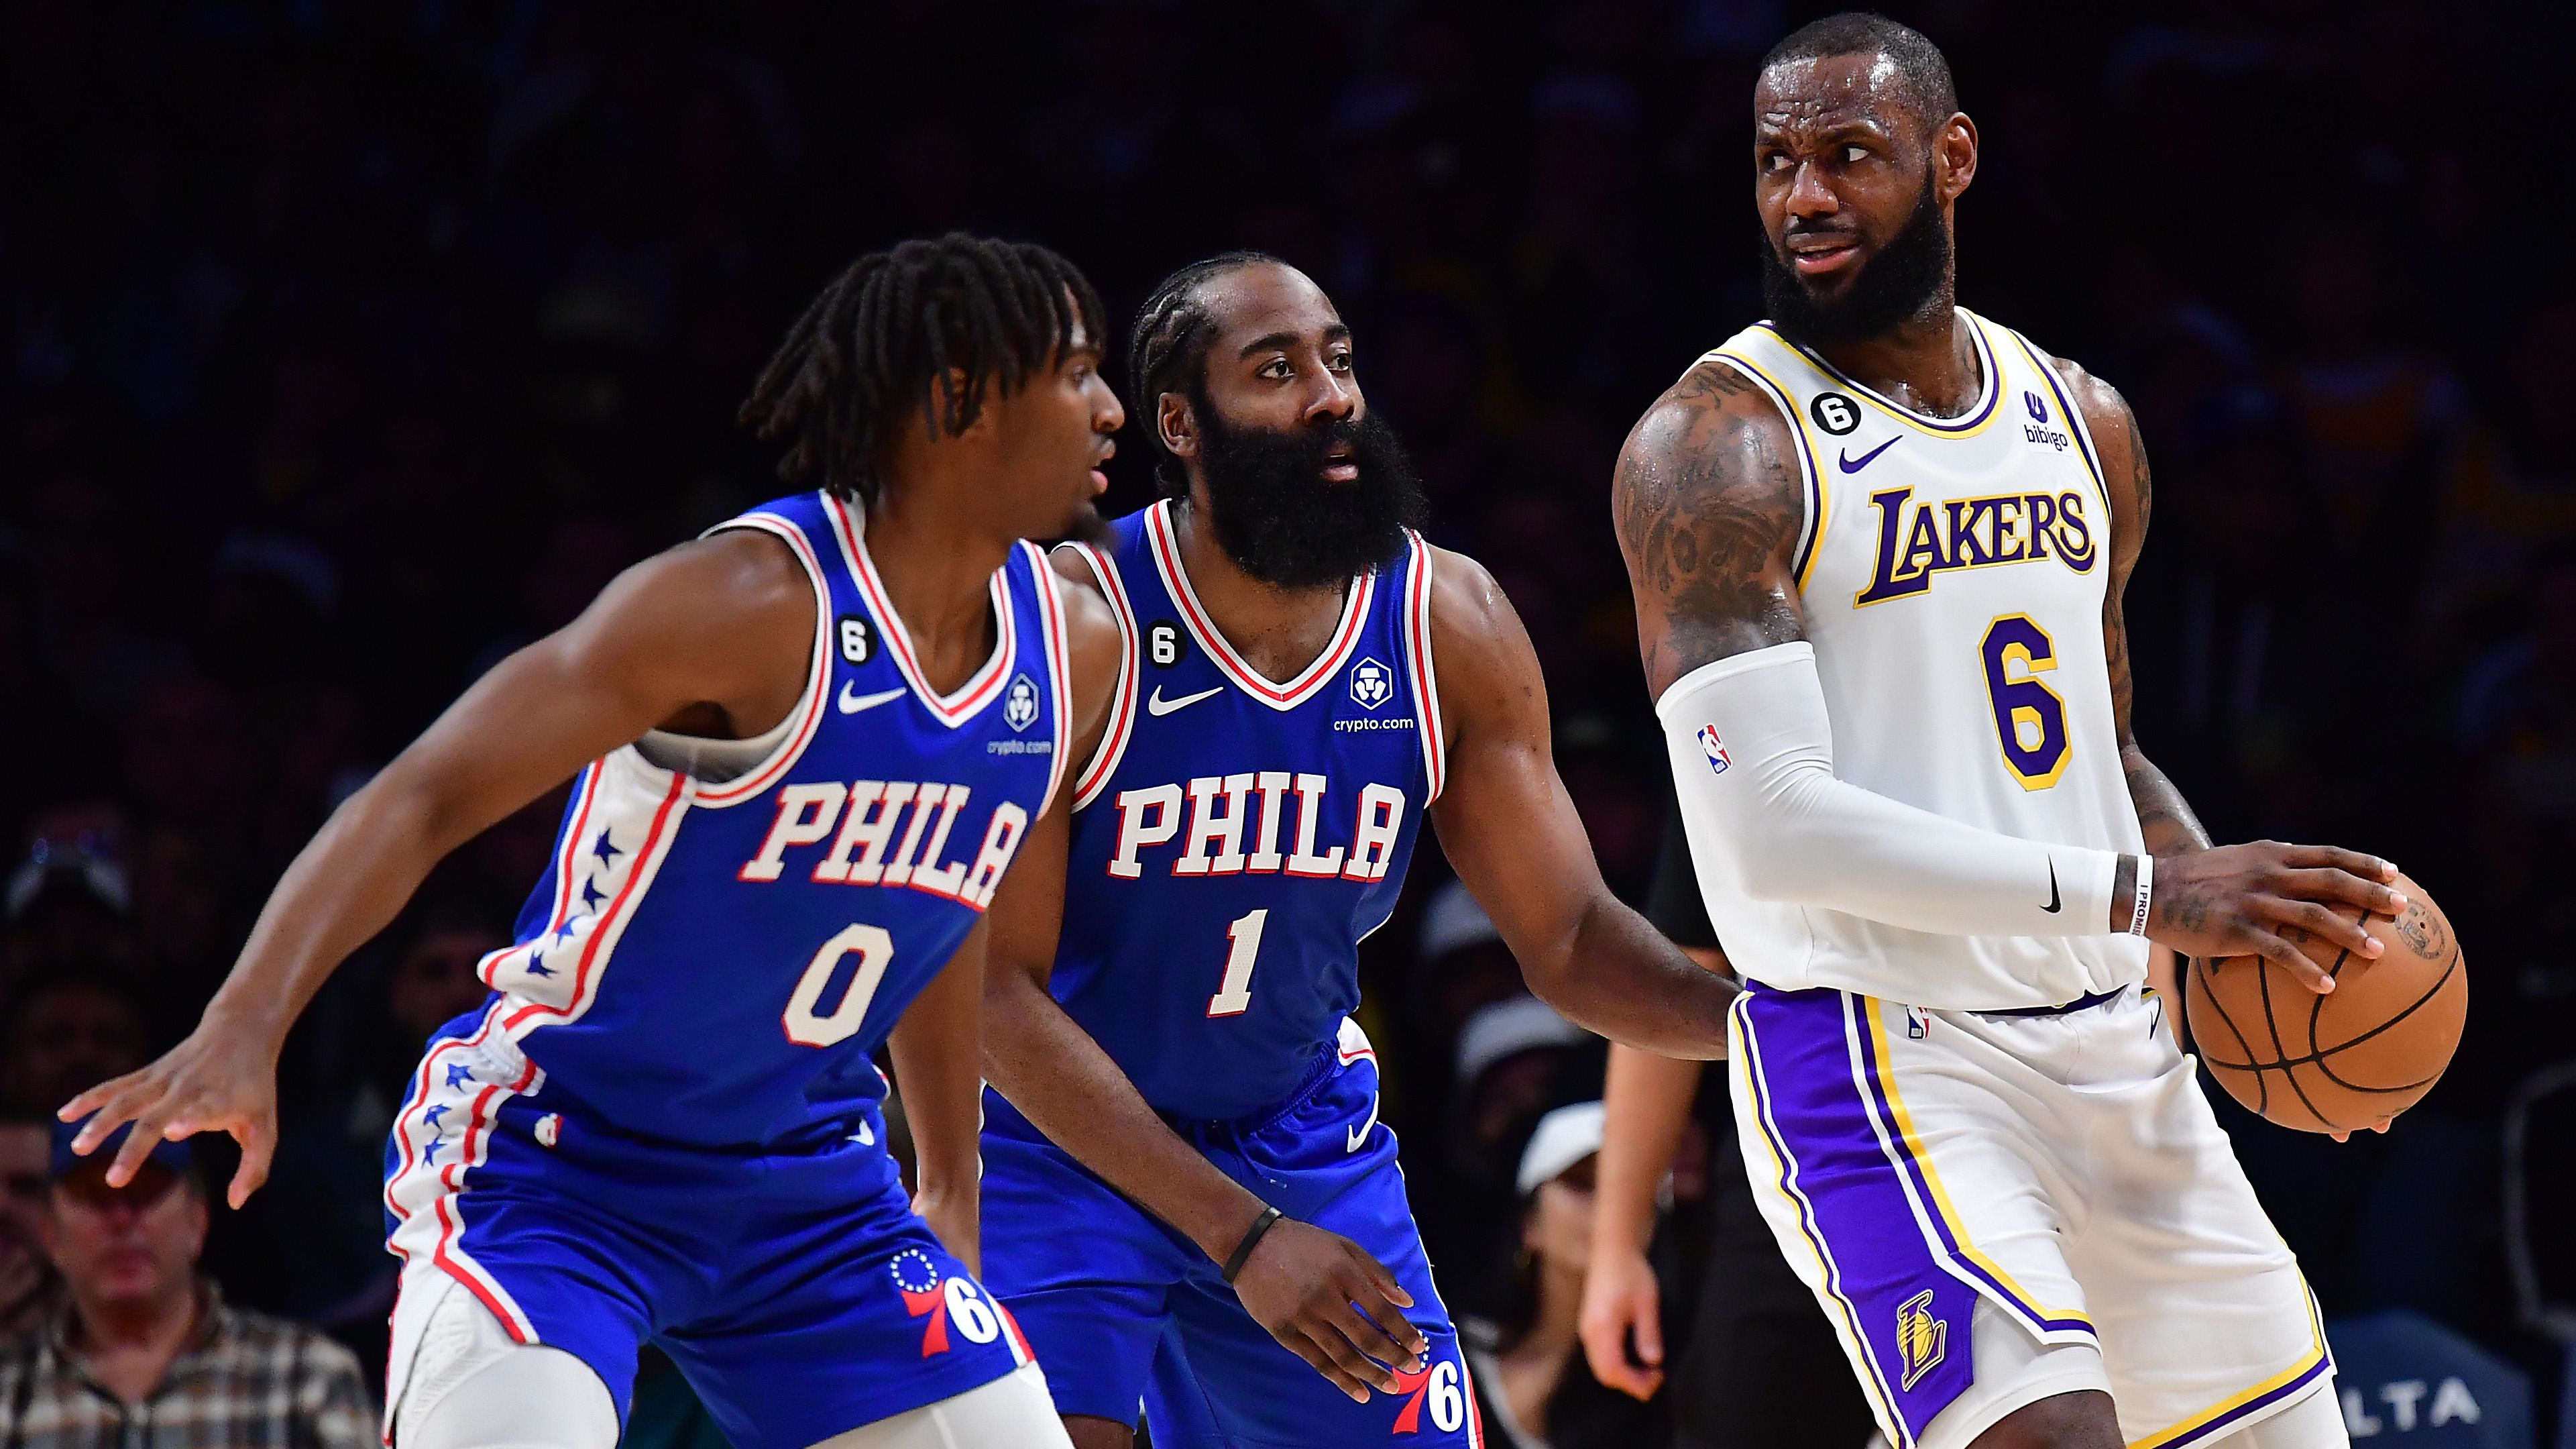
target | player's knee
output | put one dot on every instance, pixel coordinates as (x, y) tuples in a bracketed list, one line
[(2081, 1420), (1090, 1433)]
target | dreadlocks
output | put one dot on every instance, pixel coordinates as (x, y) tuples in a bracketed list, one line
[(1168, 347), (881, 340)]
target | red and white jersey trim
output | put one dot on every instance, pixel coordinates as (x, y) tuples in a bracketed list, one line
[(984, 685), (808, 718), (626, 815), (444, 1132), (1095, 774), (1059, 668), (1353, 1044), (1346, 635), (1426, 680)]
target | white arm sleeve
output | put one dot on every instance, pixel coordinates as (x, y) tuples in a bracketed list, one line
[(1764, 790)]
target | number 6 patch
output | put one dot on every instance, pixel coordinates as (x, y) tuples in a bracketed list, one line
[(858, 640)]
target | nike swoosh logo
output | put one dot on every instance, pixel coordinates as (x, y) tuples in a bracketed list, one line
[(1854, 465), (2053, 900), (1359, 1135), (852, 701), (1158, 706)]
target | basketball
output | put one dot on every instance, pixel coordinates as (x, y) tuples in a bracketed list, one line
[(2342, 1061)]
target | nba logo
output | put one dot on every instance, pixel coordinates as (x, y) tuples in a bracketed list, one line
[(2038, 409), (1715, 748), (1918, 1022), (1372, 683), (1020, 706)]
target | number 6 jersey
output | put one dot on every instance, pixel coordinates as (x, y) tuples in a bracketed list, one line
[(1235, 837), (1952, 572)]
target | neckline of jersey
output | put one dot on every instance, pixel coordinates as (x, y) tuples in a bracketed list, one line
[(981, 687), (1968, 422), (1166, 547)]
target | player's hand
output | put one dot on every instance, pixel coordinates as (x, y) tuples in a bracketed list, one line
[(215, 1081), (2379, 1126), (1620, 1295), (2271, 900), (955, 1218), (1301, 1283)]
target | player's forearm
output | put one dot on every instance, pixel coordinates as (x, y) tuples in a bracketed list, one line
[(1621, 978), (346, 885), (1048, 1067), (938, 1068), (1645, 1103), (1751, 749), (2164, 816)]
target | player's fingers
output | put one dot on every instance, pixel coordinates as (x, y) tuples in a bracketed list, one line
[(1299, 1344), (1374, 1341), (2322, 884), (1348, 1367), (108, 1106), (1384, 1299), (2290, 958), (259, 1147), (2324, 925), (1381, 1276), (2335, 857), (138, 1146)]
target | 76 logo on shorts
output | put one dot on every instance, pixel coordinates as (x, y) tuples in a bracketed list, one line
[(1443, 1386), (943, 1300)]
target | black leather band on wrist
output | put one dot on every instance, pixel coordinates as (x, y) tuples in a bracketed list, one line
[(1251, 1239)]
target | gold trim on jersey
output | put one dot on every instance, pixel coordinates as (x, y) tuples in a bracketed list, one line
[(2074, 420), (1819, 496), (1977, 421)]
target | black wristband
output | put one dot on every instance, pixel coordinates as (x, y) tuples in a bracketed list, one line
[(1251, 1239)]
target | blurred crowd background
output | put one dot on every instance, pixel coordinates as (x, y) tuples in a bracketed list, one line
[(346, 346)]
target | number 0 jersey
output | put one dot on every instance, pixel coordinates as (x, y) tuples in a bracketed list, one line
[(1234, 838), (711, 962), (1952, 571)]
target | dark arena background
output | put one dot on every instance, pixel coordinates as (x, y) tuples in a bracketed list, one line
[(346, 346)]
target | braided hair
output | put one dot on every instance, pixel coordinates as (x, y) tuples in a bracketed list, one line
[(878, 344), (1167, 350)]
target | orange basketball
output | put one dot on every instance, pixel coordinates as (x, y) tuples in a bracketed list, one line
[(2342, 1061)]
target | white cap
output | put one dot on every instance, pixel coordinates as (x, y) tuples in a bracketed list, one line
[(1508, 1027), (1564, 1137), (1452, 921)]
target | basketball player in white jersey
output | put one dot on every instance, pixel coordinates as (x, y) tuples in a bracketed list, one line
[(1878, 546)]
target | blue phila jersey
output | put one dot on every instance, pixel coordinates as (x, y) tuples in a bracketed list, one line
[(1235, 837), (712, 963)]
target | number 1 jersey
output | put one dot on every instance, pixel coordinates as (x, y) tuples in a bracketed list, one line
[(1235, 837)]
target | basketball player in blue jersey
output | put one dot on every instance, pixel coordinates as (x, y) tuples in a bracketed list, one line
[(804, 749), (1189, 1201), (1878, 545)]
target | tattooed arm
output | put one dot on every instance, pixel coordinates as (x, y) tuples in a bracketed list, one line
[(1708, 509), (2196, 886), (1708, 506), (2171, 828)]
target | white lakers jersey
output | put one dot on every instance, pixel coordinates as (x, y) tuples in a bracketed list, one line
[(1952, 572)]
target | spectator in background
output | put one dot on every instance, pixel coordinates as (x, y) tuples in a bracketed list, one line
[(68, 903), (1530, 1377), (26, 1276), (1516, 1059), (140, 1341), (67, 1031), (1759, 1366)]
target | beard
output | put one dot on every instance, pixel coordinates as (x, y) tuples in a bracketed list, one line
[(1276, 514), (1896, 284)]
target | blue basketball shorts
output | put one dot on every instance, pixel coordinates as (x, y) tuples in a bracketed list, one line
[(797, 1291), (1130, 1316)]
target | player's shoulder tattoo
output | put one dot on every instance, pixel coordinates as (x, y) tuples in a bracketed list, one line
[(1708, 501)]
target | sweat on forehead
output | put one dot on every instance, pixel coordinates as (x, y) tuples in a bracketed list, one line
[(1868, 54)]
